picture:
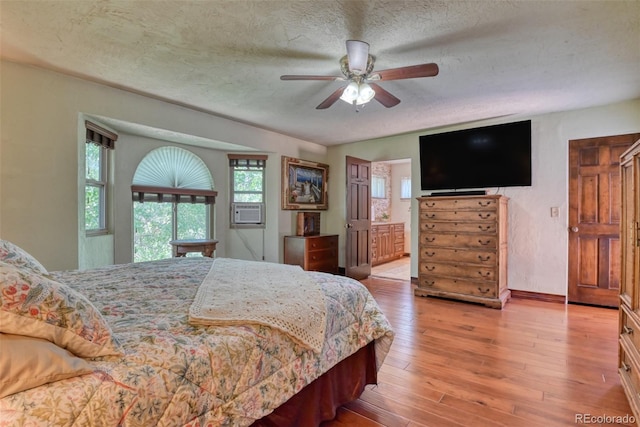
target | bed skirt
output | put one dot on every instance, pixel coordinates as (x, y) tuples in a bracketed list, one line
[(319, 400)]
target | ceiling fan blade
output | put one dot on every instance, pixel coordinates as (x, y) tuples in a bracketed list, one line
[(331, 99), (303, 77), (358, 54), (384, 97), (410, 72)]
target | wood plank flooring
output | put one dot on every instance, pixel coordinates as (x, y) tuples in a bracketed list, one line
[(459, 364)]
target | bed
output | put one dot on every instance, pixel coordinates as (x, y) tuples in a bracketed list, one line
[(126, 353)]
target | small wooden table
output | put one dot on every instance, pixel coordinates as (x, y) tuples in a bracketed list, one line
[(180, 248)]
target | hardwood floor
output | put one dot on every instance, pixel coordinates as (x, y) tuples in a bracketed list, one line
[(459, 364)]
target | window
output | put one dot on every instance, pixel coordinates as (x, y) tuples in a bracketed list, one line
[(173, 199), (98, 142), (378, 185), (247, 188), (156, 224), (405, 187), (247, 178)]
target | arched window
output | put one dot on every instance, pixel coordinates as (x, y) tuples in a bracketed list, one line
[(173, 197)]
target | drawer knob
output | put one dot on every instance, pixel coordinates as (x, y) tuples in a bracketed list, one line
[(430, 226), (429, 254), (626, 367), (430, 267), (485, 274), (430, 283), (484, 203), (430, 239), (627, 330), (484, 216), (484, 243), (431, 215), (484, 258), (430, 205), (485, 228)]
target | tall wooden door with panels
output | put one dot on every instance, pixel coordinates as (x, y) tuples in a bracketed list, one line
[(594, 219), (358, 241)]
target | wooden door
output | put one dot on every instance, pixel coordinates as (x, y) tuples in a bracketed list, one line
[(594, 219), (358, 246)]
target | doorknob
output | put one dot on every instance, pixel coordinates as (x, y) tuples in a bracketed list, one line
[(574, 229), (349, 225)]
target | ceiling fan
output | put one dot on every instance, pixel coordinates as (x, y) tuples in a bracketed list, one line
[(357, 70)]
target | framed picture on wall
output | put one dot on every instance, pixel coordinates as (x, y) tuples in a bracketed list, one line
[(304, 184)]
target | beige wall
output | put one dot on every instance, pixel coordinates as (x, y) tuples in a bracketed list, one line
[(537, 242), (41, 166), (41, 171)]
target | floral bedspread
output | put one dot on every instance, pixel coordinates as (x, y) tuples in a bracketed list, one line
[(175, 374)]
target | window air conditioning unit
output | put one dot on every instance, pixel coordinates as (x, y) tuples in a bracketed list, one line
[(247, 213)]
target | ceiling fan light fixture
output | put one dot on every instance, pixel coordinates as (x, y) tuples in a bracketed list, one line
[(358, 54), (357, 93), (365, 94), (350, 93), (361, 81)]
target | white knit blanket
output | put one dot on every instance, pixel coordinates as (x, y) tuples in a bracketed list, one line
[(236, 292)]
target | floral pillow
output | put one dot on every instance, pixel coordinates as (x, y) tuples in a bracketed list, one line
[(27, 362), (37, 306), (15, 255)]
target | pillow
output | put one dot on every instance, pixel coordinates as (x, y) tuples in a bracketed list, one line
[(13, 254), (27, 362), (37, 306)]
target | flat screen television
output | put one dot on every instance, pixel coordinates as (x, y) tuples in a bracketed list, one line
[(485, 157)]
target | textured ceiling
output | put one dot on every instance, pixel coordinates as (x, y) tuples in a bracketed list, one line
[(496, 58)]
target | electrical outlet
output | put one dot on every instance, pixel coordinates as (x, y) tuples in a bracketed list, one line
[(555, 212)]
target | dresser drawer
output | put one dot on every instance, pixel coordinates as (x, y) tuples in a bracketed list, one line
[(321, 255), (474, 204), (630, 328), (435, 254), (457, 286), (489, 227), (318, 244), (472, 272), (382, 228), (475, 216), (628, 369), (325, 265), (488, 242)]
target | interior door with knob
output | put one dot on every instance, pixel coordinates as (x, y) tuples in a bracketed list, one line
[(594, 219), (358, 246)]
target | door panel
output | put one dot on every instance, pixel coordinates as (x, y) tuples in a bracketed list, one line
[(594, 219), (358, 246)]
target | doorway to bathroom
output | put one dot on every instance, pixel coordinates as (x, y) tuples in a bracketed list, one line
[(391, 219)]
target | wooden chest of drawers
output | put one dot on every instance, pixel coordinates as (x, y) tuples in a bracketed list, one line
[(629, 312), (463, 249), (314, 253)]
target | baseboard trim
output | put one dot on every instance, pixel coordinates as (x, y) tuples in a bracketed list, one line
[(537, 296)]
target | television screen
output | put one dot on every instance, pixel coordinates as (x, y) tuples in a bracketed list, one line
[(490, 156)]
